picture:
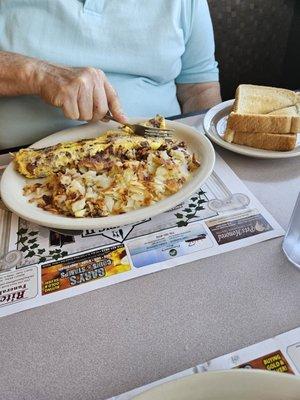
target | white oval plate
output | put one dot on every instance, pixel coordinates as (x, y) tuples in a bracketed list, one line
[(228, 385), (12, 182), (214, 124)]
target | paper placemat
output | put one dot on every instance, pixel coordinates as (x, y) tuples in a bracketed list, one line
[(221, 216)]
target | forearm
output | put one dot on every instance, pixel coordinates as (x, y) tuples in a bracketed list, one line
[(82, 93), (198, 96), (17, 74)]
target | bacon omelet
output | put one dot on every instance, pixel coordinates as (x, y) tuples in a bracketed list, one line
[(113, 174), (39, 163)]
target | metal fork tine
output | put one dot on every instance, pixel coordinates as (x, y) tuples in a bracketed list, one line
[(155, 129), (165, 135), (157, 132)]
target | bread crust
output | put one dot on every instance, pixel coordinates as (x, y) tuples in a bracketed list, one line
[(266, 141), (260, 123)]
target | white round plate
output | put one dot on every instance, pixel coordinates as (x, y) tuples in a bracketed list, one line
[(228, 385), (215, 122), (12, 182)]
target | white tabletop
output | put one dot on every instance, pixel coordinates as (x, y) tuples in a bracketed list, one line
[(114, 339)]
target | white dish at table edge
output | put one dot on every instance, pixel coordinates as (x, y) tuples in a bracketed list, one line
[(217, 114), (237, 384), (12, 182)]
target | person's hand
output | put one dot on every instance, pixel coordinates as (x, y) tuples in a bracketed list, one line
[(82, 93)]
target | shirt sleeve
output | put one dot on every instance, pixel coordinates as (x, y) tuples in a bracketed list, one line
[(198, 60)]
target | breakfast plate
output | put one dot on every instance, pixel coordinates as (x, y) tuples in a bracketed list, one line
[(228, 385), (214, 124), (12, 182)]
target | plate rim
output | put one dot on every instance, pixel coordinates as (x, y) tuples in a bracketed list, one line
[(236, 148), (69, 223), (271, 376)]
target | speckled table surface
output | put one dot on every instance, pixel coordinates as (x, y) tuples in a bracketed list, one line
[(111, 340)]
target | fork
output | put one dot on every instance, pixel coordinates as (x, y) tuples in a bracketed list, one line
[(142, 130)]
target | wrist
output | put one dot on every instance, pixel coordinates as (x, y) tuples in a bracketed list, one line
[(32, 75)]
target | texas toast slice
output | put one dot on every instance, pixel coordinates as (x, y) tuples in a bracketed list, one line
[(260, 109)]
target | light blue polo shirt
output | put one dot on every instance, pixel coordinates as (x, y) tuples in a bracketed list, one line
[(144, 46)]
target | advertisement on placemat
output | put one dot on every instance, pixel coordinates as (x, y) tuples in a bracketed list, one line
[(16, 286), (84, 268), (168, 245), (238, 226), (270, 362)]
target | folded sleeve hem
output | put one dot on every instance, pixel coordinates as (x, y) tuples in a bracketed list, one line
[(198, 78)]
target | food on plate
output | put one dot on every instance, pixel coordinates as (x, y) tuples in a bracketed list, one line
[(264, 117), (261, 109), (267, 141), (39, 163), (112, 174)]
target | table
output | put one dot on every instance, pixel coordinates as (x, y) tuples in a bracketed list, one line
[(112, 340)]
